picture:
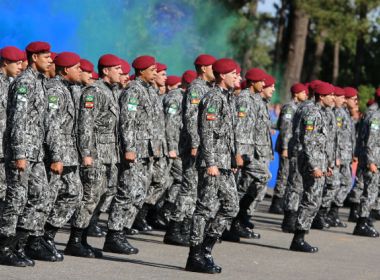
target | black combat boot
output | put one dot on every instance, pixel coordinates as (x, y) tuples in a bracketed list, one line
[(116, 242), (130, 231), (300, 245), (94, 230), (38, 249), (75, 247), (289, 222), (18, 246), (173, 235), (208, 245), (362, 228), (277, 206), (242, 231), (196, 261), (319, 221), (333, 217), (97, 253), (354, 212), (7, 255), (50, 232), (185, 230), (140, 222), (246, 221), (156, 219), (375, 215), (239, 223)]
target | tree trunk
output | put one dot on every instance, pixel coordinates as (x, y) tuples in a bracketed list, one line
[(360, 45), (296, 51), (336, 62), (280, 35), (318, 55)]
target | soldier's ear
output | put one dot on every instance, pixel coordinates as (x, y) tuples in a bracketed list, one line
[(105, 71), (34, 57), (203, 68)]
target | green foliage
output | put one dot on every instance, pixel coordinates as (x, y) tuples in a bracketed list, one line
[(366, 92)]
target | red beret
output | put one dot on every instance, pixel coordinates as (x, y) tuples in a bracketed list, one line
[(243, 84), (298, 87), (370, 102), (314, 83), (38, 47), (132, 77), (86, 65), (125, 67), (67, 59), (323, 88), (377, 92), (255, 75), (12, 53), (95, 75), (53, 55), (189, 75), (339, 91), (224, 66), (143, 62), (25, 58), (161, 67), (350, 92), (109, 60), (269, 81), (204, 60), (173, 80)]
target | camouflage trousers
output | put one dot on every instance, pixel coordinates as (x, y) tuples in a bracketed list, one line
[(135, 178), (67, 193), (253, 181), (111, 190), (3, 185), (26, 199), (160, 180), (187, 193), (370, 193), (95, 180), (311, 200), (175, 180), (331, 188), (282, 178), (221, 191), (294, 186)]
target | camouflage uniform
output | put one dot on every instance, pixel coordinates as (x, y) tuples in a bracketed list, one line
[(27, 130), (285, 126), (4, 85), (216, 121), (185, 203), (313, 138), (98, 138), (66, 189), (139, 135)]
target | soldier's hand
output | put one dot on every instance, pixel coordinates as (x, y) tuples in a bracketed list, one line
[(56, 167), (284, 153), (172, 154), (373, 168), (213, 171), (329, 172), (239, 160), (21, 164), (87, 161), (317, 173), (194, 152), (234, 170), (130, 156), (337, 162)]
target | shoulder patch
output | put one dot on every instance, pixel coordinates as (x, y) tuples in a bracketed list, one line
[(211, 110), (194, 98), (22, 90), (53, 102), (375, 124), (89, 98)]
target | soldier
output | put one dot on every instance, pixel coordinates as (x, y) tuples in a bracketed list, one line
[(216, 181), (187, 78), (187, 194), (139, 144), (86, 75), (124, 78), (284, 125), (51, 72), (27, 193), (24, 64), (371, 161), (313, 164), (66, 189), (98, 146), (10, 67)]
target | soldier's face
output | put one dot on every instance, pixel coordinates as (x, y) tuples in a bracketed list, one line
[(302, 96), (42, 61), (230, 79), (328, 100), (74, 73), (85, 78), (124, 80), (51, 73), (352, 102), (114, 73), (149, 74), (24, 65), (161, 78), (340, 101), (268, 92), (238, 81), (12, 69), (258, 86), (209, 73)]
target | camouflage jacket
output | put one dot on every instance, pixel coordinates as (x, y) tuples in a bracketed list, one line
[(27, 128), (4, 86), (345, 127), (159, 144), (285, 125), (313, 137), (216, 130), (175, 134), (332, 136), (371, 143), (62, 109), (361, 128), (197, 89), (137, 120), (98, 122)]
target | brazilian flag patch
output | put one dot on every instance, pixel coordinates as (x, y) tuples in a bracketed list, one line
[(53, 102), (132, 104), (22, 90), (173, 109)]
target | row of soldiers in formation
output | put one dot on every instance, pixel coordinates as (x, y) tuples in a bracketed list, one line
[(196, 148)]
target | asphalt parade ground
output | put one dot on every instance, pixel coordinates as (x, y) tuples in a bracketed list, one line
[(341, 256)]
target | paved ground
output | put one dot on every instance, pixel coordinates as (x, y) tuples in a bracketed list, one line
[(341, 256)]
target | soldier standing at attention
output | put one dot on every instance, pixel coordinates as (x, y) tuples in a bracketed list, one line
[(285, 124), (28, 189), (99, 149), (216, 160), (313, 138)]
